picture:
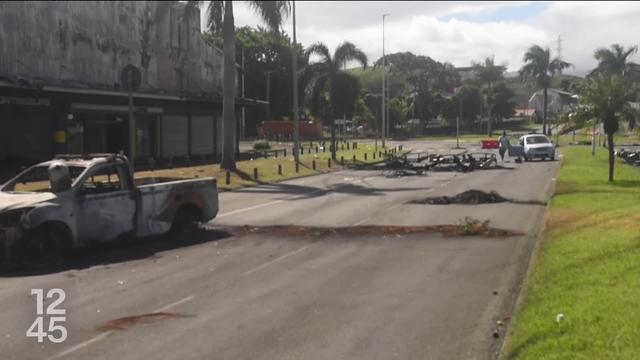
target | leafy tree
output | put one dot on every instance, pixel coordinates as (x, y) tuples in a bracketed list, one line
[(397, 112), (607, 97), (503, 100), (467, 103), (323, 76), (540, 67), (421, 72), (347, 94), (373, 101), (488, 73), (616, 61), (221, 21), (266, 52)]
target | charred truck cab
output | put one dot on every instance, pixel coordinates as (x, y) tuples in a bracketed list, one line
[(80, 200)]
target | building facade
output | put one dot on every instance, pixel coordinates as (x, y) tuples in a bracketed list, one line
[(61, 84)]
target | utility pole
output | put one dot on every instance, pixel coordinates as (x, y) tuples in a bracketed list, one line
[(243, 122), (384, 90), (268, 73), (133, 137), (458, 124), (559, 51), (296, 129)]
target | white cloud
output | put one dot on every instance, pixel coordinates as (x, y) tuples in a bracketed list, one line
[(434, 28)]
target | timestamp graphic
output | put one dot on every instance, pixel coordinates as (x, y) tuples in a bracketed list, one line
[(49, 323)]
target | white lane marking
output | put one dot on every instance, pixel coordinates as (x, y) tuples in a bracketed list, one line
[(81, 345), (361, 222), (105, 334), (234, 212), (181, 301), (276, 260), (249, 208)]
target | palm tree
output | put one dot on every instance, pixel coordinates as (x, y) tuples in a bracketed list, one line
[(489, 73), (616, 61), (607, 97), (323, 75), (221, 21), (540, 67)]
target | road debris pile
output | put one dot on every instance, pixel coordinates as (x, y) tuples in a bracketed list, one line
[(464, 229), (420, 164), (474, 197), (631, 157), (470, 197)]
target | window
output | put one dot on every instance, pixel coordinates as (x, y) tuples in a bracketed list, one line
[(105, 179), (537, 140), (36, 179)]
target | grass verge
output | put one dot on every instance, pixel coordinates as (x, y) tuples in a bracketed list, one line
[(586, 268), (268, 168)]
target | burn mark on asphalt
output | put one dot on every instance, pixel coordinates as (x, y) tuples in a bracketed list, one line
[(474, 197), (129, 321), (479, 229)]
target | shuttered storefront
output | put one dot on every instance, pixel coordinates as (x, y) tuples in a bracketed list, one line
[(175, 136), (202, 135)]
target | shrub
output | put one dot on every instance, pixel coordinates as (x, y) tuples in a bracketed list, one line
[(262, 146)]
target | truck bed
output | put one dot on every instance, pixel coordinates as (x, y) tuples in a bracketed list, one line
[(162, 198)]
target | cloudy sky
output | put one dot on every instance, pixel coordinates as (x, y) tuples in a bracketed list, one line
[(462, 32)]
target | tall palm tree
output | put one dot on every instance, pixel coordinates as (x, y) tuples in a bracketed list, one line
[(488, 73), (616, 61), (322, 76), (221, 21), (539, 66), (607, 97)]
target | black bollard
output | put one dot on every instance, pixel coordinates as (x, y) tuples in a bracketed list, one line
[(228, 178), (255, 173), (280, 169)]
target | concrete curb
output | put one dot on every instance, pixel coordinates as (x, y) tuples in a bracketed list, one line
[(532, 258)]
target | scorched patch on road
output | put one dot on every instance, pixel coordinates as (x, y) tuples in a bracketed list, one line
[(320, 232), (474, 197)]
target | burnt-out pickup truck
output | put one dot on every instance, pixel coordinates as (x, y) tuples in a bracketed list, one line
[(80, 200)]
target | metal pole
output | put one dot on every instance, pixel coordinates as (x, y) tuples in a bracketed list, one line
[(384, 75), (296, 144), (458, 124), (243, 122), (268, 93), (132, 125), (593, 140)]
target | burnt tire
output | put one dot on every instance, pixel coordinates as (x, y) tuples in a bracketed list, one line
[(47, 246), (186, 221)]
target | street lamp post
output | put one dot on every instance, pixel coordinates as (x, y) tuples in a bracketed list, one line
[(384, 90), (296, 128), (458, 124), (268, 73)]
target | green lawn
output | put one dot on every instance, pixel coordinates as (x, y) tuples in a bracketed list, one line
[(268, 168), (618, 138), (587, 268)]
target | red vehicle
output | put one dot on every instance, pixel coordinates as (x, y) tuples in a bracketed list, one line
[(490, 144)]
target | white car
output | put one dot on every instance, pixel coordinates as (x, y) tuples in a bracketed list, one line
[(537, 146)]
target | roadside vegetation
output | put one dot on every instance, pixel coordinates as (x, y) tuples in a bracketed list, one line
[(586, 268), (268, 168)]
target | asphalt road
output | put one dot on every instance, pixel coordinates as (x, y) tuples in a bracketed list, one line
[(262, 295)]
